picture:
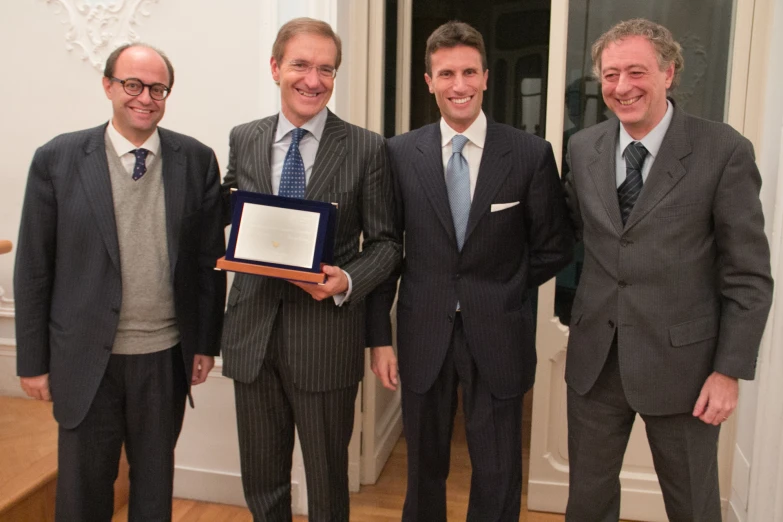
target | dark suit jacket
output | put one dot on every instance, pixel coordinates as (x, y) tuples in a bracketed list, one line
[(67, 280), (686, 282), (505, 253), (325, 343)]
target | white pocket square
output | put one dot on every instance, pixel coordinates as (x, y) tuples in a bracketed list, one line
[(496, 207)]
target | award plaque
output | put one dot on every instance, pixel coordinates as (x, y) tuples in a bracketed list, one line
[(281, 237)]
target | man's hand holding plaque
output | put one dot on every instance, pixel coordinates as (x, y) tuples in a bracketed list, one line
[(336, 283)]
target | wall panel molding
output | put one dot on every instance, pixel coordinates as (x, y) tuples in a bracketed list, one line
[(96, 27)]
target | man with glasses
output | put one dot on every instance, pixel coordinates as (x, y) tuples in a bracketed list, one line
[(118, 308), (296, 351)]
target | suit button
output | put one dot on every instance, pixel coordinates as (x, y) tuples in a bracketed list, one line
[(107, 348), (624, 242), (622, 284), (115, 309), (451, 319), (610, 323), (457, 276)]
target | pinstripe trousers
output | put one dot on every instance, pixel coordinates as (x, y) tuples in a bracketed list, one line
[(268, 411), (493, 428)]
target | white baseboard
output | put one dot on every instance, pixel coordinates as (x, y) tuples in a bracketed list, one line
[(209, 486), (221, 488)]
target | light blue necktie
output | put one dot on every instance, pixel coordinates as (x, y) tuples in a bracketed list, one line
[(292, 179), (458, 186), (141, 163)]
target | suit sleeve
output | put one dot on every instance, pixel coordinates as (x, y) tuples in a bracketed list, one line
[(744, 270), (212, 283), (381, 248), (229, 182), (34, 270), (381, 300), (550, 237)]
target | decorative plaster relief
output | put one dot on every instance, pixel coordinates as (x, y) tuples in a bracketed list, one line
[(97, 27)]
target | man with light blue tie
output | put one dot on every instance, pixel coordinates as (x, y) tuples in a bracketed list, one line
[(296, 350), (484, 218)]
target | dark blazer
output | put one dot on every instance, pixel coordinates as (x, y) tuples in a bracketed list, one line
[(67, 279), (505, 253), (325, 343), (686, 283)]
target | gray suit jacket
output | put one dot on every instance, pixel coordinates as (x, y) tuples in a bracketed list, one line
[(686, 283), (325, 342), (505, 252), (67, 279)]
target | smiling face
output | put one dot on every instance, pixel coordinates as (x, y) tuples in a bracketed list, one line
[(633, 84), (458, 84), (137, 117), (303, 95)]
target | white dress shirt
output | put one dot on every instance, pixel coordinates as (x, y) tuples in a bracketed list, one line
[(652, 142), (473, 149)]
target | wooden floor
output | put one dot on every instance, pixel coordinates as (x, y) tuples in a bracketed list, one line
[(383, 501), (28, 464)]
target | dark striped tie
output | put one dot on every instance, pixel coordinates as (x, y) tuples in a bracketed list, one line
[(628, 191)]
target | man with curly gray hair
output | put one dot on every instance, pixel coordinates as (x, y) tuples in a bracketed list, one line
[(675, 288)]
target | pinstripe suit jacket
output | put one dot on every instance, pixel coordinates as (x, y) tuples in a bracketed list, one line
[(686, 282), (325, 343), (67, 279), (505, 252)]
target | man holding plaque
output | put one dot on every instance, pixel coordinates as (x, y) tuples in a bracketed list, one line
[(485, 219), (118, 308), (296, 350)]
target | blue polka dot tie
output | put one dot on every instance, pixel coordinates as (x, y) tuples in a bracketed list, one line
[(458, 186), (292, 179), (141, 163)]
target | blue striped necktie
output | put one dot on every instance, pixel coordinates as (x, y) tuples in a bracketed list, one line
[(628, 191), (458, 186), (292, 179)]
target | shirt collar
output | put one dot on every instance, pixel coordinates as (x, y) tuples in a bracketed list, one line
[(314, 125), (652, 141), (123, 146), (476, 133)]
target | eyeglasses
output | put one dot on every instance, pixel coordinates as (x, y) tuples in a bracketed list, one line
[(134, 87), (324, 71)]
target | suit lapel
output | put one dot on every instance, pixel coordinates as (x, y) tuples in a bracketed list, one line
[(261, 148), (667, 170), (493, 170), (604, 174), (95, 179), (330, 155), (428, 165), (174, 189)]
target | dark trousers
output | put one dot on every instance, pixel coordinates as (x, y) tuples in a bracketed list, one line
[(684, 450), (140, 402), (493, 429), (268, 411)]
